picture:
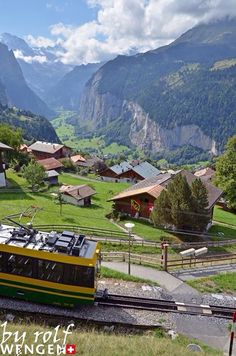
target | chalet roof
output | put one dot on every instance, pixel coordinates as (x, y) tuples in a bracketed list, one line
[(46, 147), (4, 147), (77, 191), (149, 186), (146, 170), (24, 148), (205, 172), (50, 163), (121, 168), (154, 185), (52, 173), (77, 158)]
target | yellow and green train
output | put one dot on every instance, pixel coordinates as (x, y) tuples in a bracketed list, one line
[(52, 268)]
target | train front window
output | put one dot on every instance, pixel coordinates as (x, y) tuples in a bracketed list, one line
[(1, 262), (79, 276)]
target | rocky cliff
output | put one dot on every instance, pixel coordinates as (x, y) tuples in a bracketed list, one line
[(99, 109), (150, 136)]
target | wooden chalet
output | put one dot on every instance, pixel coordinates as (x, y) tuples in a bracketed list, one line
[(129, 172), (50, 164), (44, 150), (138, 200), (77, 160)]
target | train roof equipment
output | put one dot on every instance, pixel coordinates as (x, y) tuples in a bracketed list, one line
[(66, 242)]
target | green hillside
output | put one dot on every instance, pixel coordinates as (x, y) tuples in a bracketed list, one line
[(34, 127)]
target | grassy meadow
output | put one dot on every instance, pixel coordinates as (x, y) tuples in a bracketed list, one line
[(223, 216), (18, 197), (66, 132), (93, 216), (221, 283), (98, 343)]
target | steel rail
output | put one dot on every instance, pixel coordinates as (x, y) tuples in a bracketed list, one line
[(122, 301)]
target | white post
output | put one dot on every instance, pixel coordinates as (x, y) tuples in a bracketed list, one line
[(129, 227)]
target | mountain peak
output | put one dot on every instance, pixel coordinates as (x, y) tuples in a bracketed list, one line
[(214, 32), (13, 42)]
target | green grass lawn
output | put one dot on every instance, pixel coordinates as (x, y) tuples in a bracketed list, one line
[(222, 232), (221, 283), (224, 216), (93, 216), (110, 273), (149, 232)]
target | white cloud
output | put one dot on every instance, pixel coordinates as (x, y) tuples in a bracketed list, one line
[(124, 25), (40, 41), (29, 59), (55, 7)]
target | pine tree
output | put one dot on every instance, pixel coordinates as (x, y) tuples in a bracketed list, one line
[(182, 205), (161, 214), (200, 205), (180, 196)]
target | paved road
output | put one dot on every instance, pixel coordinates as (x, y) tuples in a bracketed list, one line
[(165, 280), (186, 275), (209, 331)]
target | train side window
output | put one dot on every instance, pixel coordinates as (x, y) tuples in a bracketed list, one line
[(50, 271), (19, 265)]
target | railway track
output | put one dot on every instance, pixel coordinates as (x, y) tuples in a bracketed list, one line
[(49, 315), (114, 300)]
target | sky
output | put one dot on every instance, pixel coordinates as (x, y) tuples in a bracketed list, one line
[(87, 31)]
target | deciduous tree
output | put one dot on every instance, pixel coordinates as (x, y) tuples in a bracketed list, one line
[(226, 172), (34, 173)]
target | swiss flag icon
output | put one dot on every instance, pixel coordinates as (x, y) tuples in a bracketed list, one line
[(70, 349)]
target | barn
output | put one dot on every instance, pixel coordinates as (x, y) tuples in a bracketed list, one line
[(79, 195)]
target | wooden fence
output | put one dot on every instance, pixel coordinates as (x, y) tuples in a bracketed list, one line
[(122, 238), (192, 262), (134, 258)]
